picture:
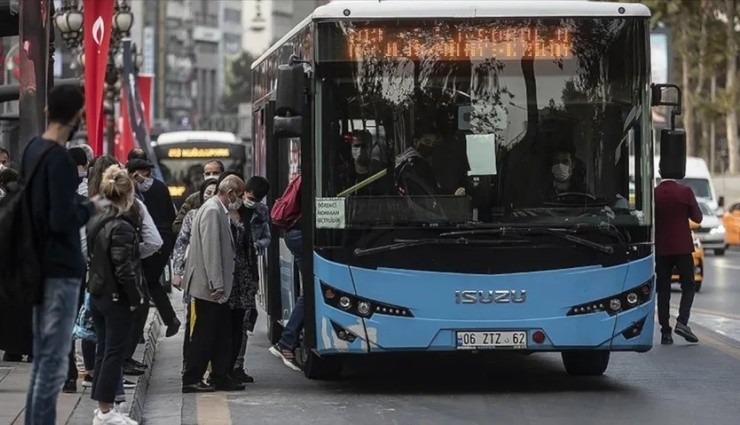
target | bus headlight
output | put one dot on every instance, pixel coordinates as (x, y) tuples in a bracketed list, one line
[(364, 308), (360, 306), (345, 302), (618, 303)]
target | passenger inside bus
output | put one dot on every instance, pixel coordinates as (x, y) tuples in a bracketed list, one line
[(414, 175), (361, 167)]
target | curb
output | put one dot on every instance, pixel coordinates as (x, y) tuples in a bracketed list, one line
[(142, 384)]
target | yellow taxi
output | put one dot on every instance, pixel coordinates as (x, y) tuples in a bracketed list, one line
[(698, 255), (731, 221)]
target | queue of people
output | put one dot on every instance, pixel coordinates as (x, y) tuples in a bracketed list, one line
[(105, 232)]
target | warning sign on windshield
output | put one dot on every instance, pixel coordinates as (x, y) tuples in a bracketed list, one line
[(330, 213)]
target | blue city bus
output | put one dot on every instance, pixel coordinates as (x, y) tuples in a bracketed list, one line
[(466, 179)]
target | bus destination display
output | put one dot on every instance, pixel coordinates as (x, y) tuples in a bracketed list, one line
[(502, 43), (198, 153)]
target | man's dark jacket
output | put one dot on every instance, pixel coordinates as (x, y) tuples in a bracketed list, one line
[(58, 212), (675, 205)]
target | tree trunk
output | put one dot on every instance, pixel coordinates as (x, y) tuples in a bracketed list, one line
[(688, 105), (731, 89)]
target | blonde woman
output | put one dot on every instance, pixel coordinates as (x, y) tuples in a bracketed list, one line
[(115, 286)]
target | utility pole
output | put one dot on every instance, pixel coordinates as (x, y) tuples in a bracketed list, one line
[(713, 128)]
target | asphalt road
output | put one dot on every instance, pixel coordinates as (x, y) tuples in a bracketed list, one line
[(677, 385)]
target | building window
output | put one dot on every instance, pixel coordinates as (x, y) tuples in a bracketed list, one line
[(233, 16)]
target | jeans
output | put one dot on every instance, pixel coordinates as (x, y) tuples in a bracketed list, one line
[(289, 339), (53, 321), (664, 265), (113, 321)]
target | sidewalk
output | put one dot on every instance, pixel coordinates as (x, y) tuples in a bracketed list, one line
[(73, 408)]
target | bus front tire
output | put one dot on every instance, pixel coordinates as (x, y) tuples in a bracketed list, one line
[(586, 363), (327, 368)]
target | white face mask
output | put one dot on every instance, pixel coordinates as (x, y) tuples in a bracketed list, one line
[(249, 203), (236, 204), (146, 184), (356, 153), (561, 172)]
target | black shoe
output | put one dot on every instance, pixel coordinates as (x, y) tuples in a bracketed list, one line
[(128, 385), (200, 387), (666, 339), (173, 328), (227, 384), (132, 370), (241, 376), (70, 386), (87, 381), (685, 332), (136, 364), (12, 357)]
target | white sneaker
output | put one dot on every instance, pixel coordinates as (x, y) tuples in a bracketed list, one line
[(96, 418), (114, 417), (121, 408)]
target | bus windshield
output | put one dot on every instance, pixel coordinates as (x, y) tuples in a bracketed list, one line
[(182, 163), (430, 122)]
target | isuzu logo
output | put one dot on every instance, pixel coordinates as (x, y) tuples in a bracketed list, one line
[(491, 297)]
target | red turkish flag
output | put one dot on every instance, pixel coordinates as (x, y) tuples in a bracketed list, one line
[(126, 142), (98, 25)]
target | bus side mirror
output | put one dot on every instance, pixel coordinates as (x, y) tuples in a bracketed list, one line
[(290, 97), (290, 94), (672, 140), (672, 154)]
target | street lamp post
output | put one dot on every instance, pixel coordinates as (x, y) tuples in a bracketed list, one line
[(69, 21)]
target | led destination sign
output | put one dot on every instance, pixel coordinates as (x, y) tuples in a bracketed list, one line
[(198, 153), (460, 44)]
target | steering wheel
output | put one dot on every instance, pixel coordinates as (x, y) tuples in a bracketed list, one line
[(564, 195)]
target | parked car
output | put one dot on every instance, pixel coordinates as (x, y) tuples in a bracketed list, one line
[(731, 221), (698, 255), (711, 231)]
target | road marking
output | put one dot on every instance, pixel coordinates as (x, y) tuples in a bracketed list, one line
[(705, 337), (714, 313), (213, 409), (726, 266)]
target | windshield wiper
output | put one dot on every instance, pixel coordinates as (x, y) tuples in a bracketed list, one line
[(406, 243), (561, 233)]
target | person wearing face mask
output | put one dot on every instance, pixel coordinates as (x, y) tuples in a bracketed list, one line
[(211, 170), (251, 229), (566, 175), (414, 175), (4, 158), (208, 281), (179, 254), (362, 166), (156, 197)]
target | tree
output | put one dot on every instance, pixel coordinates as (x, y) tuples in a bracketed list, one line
[(238, 83), (730, 11)]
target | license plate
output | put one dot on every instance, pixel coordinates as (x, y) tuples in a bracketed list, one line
[(473, 340)]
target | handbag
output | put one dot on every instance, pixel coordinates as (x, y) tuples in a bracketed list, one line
[(84, 328)]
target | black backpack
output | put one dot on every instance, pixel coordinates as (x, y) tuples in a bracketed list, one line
[(20, 267)]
